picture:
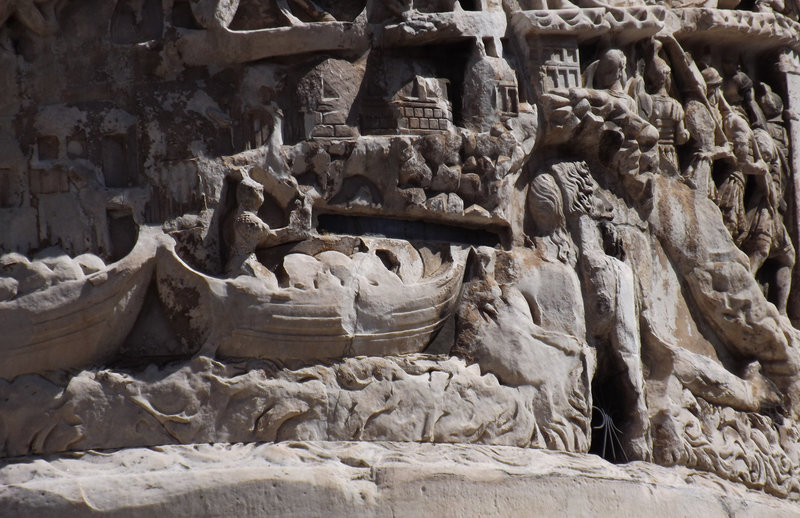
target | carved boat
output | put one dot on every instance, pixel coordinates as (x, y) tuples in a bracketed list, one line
[(332, 308), (80, 322)]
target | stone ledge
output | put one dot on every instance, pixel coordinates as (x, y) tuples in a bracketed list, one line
[(365, 479)]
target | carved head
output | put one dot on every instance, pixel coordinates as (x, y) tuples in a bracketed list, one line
[(738, 88), (770, 102), (610, 69), (713, 81), (578, 187), (658, 74), (545, 204), (250, 194)]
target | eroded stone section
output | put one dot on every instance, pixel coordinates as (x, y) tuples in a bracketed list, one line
[(549, 224), (413, 398)]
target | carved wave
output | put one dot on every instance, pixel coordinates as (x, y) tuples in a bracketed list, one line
[(414, 398), (744, 447)]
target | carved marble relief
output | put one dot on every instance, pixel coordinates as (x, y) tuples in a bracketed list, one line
[(569, 226)]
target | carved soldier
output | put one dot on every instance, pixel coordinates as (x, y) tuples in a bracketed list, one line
[(755, 224), (773, 140), (748, 162), (767, 237), (739, 94), (771, 106), (667, 116), (708, 141)]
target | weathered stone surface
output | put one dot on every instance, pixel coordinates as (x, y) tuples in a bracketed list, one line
[(542, 224), (365, 479), (409, 398)]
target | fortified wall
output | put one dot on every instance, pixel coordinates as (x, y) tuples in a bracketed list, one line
[(399, 258)]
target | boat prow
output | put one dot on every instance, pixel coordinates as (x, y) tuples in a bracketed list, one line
[(80, 322)]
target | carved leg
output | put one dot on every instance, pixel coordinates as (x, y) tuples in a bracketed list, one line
[(757, 259), (214, 14), (783, 277), (698, 176), (626, 341), (783, 284), (611, 298)]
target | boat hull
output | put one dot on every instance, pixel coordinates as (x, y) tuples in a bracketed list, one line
[(340, 307), (77, 323)]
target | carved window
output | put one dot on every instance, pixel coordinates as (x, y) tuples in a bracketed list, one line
[(492, 48), (561, 55), (559, 64), (329, 95), (560, 77), (43, 181), (116, 166), (508, 99), (259, 130)]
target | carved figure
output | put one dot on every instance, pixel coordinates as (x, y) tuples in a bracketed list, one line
[(738, 90), (766, 236), (708, 140), (771, 106), (609, 75), (736, 125), (667, 116), (246, 232), (609, 292), (730, 194), (606, 88)]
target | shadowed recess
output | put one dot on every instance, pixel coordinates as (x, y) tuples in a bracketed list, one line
[(402, 229)]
